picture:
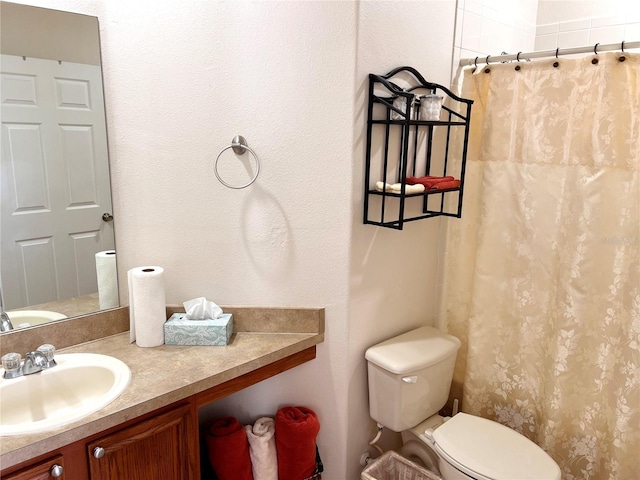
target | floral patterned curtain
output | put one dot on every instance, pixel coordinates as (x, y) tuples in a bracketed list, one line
[(543, 272)]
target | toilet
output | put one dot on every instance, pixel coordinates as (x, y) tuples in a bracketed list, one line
[(409, 380)]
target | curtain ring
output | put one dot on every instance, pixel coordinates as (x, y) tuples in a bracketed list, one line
[(486, 60), (518, 56), (595, 48), (622, 58), (557, 50), (475, 63)]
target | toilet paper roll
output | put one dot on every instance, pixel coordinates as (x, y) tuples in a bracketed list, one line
[(147, 306), (107, 277)]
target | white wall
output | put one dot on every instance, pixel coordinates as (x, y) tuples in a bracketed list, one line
[(194, 74), (567, 24), (489, 27), (550, 11), (181, 79), (395, 284)]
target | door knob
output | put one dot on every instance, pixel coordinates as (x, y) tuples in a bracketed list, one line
[(98, 452), (57, 471), (107, 217)]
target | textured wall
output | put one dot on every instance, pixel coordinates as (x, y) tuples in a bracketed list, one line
[(188, 77), (395, 283), (181, 79)]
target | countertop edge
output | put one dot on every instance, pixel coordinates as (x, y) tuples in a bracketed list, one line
[(99, 422)]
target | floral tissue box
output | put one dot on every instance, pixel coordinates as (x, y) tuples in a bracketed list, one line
[(179, 330)]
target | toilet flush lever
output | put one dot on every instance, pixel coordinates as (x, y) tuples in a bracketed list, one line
[(411, 379)]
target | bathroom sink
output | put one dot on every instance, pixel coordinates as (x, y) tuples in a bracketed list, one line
[(81, 384), (29, 318)]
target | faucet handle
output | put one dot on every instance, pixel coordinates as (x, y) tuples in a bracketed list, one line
[(11, 364), (48, 351)]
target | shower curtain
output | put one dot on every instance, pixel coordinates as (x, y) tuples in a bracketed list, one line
[(542, 277)]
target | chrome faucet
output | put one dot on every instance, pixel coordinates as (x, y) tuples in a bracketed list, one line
[(34, 362), (5, 321)]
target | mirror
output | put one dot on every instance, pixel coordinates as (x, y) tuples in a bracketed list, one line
[(56, 224)]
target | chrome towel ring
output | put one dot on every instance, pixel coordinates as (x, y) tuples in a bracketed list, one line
[(239, 146)]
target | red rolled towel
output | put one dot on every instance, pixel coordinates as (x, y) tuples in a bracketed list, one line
[(229, 449), (429, 181), (296, 431), (446, 185)]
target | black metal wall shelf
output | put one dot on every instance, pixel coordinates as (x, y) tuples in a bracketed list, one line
[(410, 147)]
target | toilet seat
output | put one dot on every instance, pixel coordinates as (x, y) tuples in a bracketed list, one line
[(487, 450)]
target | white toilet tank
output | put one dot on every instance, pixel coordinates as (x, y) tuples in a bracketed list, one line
[(410, 376)]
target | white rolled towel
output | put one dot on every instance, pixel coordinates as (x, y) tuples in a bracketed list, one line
[(262, 449), (397, 188)]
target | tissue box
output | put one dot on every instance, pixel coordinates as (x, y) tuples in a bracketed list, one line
[(179, 330)]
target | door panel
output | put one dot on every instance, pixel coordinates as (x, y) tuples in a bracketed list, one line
[(55, 179), (165, 446)]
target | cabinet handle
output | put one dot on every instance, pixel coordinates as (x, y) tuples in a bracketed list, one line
[(57, 471), (98, 452)]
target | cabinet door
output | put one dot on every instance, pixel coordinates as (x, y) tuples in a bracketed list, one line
[(165, 446), (51, 469)]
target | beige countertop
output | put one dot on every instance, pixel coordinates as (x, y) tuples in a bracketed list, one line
[(166, 374), (71, 307)]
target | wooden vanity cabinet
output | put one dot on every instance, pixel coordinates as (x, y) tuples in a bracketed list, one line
[(50, 469), (161, 444), (165, 446)]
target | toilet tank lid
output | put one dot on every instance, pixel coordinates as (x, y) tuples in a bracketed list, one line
[(476, 445), (413, 350)]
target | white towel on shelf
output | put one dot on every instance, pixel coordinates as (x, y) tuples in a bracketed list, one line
[(397, 188), (262, 449)]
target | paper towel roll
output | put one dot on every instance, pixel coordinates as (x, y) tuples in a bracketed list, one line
[(147, 307), (107, 276)]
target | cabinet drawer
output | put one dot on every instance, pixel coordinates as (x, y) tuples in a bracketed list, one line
[(50, 469)]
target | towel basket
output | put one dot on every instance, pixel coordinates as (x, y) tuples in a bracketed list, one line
[(317, 474)]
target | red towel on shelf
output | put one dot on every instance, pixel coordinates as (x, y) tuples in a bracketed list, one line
[(429, 182), (229, 449), (446, 185), (296, 431)]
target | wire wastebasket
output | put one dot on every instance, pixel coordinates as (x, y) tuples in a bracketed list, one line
[(392, 466)]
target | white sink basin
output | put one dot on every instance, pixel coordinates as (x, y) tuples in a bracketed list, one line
[(29, 318), (81, 384)]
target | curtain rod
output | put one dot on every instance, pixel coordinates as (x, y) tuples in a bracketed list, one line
[(597, 48)]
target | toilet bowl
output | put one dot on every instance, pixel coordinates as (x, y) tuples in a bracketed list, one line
[(409, 380), (469, 447)]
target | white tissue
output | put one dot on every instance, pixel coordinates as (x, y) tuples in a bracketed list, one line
[(200, 308)]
